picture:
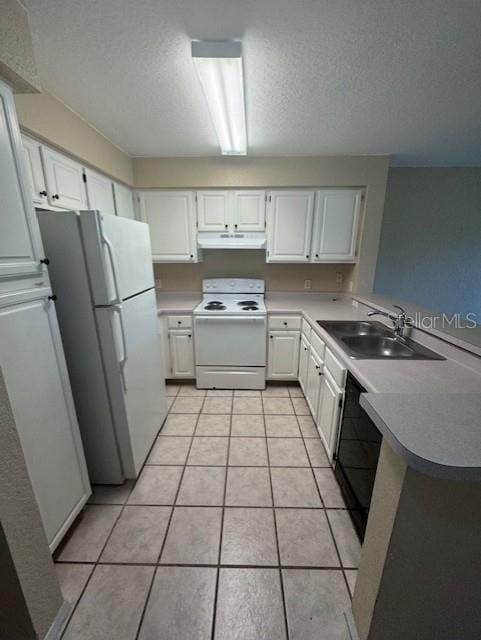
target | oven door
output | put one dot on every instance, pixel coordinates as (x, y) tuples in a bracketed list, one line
[(233, 341)]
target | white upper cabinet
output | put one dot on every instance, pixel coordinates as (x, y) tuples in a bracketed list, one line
[(213, 210), (124, 201), (20, 244), (249, 210), (65, 181), (289, 225), (100, 193), (171, 217), (231, 210), (335, 227), (35, 174)]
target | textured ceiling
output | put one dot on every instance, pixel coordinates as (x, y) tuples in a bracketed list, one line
[(322, 76)]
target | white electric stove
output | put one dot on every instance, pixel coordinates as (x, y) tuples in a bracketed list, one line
[(230, 334)]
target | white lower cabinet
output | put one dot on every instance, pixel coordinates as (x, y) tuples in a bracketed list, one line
[(330, 402), (303, 362), (283, 358), (33, 364), (181, 346), (314, 374)]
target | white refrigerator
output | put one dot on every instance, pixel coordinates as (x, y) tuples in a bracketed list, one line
[(101, 272)]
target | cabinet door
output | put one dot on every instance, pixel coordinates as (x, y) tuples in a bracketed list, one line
[(289, 226), (283, 361), (330, 398), (335, 228), (124, 201), (36, 178), (214, 210), (170, 215), (181, 354), (249, 210), (20, 244), (314, 375), (303, 362), (65, 181), (38, 386), (100, 192)]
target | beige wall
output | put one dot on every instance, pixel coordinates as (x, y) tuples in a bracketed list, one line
[(23, 530), (49, 119), (335, 171), (17, 63), (252, 264)]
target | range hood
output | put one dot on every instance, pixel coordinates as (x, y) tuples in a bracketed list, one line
[(209, 240)]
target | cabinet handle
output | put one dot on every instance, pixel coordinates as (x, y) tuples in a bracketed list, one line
[(44, 261), (317, 255), (320, 373), (271, 337), (190, 335), (285, 324), (179, 321), (42, 193), (191, 255), (53, 298), (307, 256), (317, 366), (235, 226), (306, 349), (226, 226), (56, 196)]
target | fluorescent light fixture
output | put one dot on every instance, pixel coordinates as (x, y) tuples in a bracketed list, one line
[(219, 67)]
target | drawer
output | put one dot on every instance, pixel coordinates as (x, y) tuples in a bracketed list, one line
[(306, 328), (179, 322), (285, 322), (318, 345), (336, 368)]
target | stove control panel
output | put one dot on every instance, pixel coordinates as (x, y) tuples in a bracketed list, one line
[(233, 285)]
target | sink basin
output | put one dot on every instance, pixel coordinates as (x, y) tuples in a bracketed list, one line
[(374, 341), (378, 347), (355, 327)]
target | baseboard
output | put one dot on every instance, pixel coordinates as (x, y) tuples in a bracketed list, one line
[(58, 625), (351, 625)]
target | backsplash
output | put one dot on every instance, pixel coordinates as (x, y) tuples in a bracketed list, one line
[(251, 264)]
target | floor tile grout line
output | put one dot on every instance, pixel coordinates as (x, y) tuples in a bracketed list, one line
[(281, 578), (166, 532), (214, 565), (123, 505), (216, 590), (331, 530)]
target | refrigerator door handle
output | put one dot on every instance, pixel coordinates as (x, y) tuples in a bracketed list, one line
[(123, 361), (110, 251)]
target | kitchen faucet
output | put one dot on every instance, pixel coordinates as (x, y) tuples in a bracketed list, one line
[(399, 320)]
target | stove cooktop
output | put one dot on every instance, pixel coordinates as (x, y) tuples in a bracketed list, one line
[(231, 304)]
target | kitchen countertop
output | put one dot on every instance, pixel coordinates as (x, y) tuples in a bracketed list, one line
[(415, 382), (420, 429)]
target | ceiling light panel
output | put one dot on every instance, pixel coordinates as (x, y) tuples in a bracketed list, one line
[(219, 67)]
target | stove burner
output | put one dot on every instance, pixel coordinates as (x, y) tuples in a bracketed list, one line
[(247, 303), (214, 303), (250, 308), (218, 306)]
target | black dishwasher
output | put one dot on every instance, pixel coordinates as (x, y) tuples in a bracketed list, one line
[(357, 455)]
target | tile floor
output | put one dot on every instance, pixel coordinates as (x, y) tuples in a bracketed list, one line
[(235, 529)]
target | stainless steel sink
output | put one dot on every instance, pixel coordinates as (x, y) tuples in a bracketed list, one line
[(374, 341)]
